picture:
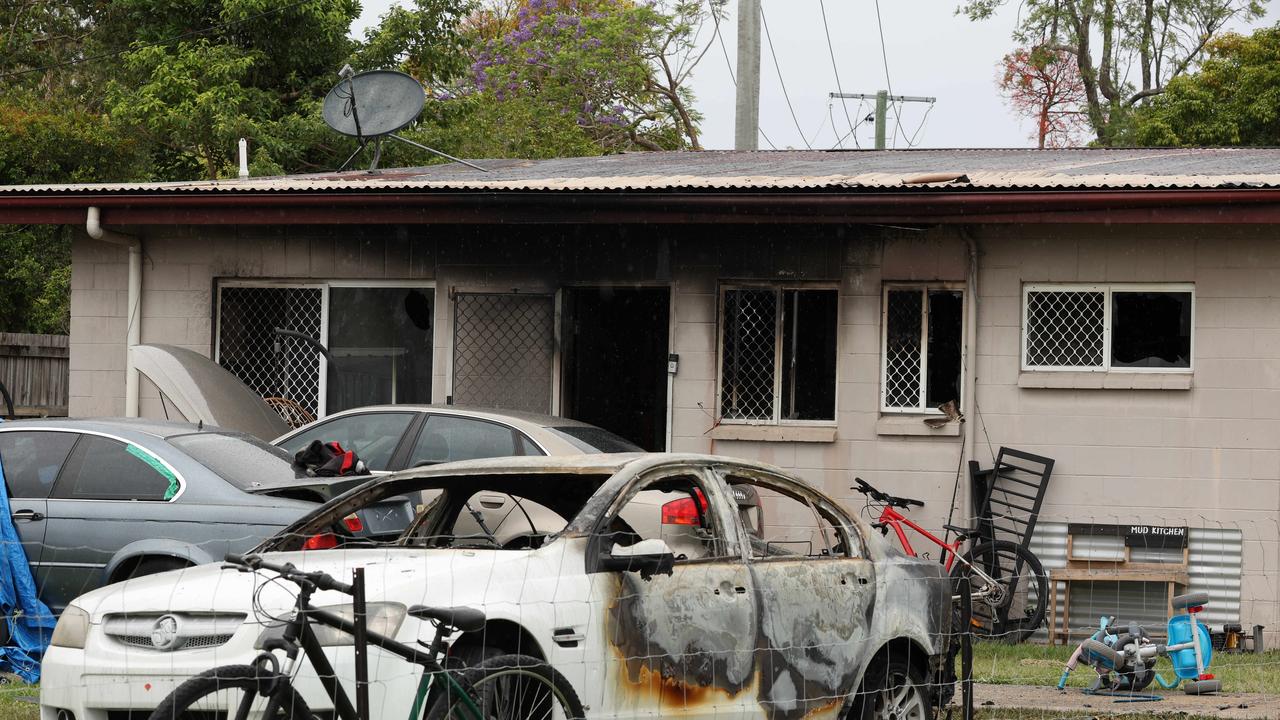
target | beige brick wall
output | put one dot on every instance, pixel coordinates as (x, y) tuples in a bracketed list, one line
[(179, 267), (1202, 456)]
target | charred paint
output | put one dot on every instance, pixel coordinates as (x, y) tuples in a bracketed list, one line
[(686, 640), (809, 655)]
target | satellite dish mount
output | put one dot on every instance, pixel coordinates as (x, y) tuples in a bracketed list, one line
[(373, 105)]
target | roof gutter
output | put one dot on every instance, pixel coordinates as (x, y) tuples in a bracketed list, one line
[(934, 206), (93, 226)]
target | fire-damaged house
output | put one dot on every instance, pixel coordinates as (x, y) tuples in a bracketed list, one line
[(885, 314)]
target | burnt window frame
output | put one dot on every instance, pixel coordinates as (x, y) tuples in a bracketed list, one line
[(779, 290), (924, 288), (1108, 291)]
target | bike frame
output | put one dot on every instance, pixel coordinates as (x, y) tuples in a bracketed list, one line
[(298, 634), (894, 519)]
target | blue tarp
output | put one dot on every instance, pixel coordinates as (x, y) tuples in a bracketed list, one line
[(30, 621)]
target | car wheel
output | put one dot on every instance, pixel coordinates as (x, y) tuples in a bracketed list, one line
[(153, 565), (894, 689)]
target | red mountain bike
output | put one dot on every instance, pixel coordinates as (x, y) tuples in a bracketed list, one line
[(1009, 586)]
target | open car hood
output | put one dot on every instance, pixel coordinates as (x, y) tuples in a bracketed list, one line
[(205, 392)]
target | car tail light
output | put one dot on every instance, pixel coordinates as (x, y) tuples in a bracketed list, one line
[(685, 511), (353, 523), (323, 541)]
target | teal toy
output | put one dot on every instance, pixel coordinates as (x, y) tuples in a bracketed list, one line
[(1125, 659)]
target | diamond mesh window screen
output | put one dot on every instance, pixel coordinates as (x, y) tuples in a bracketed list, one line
[(503, 350), (247, 345), (902, 358), (748, 352), (1066, 328)]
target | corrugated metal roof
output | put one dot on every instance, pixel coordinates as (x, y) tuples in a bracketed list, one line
[(1002, 169)]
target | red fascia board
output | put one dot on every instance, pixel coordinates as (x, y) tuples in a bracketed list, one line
[(1127, 206)]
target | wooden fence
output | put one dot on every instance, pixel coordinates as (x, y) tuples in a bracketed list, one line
[(34, 368)]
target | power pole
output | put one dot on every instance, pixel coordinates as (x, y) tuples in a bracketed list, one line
[(882, 99), (746, 121)]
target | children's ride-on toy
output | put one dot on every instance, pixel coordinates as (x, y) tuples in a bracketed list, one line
[(1125, 659)]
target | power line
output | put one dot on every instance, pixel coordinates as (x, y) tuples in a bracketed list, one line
[(923, 120), (785, 95), (861, 119), (157, 43), (831, 51)]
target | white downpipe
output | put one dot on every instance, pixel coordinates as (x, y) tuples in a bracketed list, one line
[(971, 367), (93, 226)]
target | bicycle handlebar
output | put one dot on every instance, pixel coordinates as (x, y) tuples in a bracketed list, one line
[(865, 488), (322, 580)]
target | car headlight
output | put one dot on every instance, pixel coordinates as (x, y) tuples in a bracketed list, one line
[(383, 618), (72, 628)]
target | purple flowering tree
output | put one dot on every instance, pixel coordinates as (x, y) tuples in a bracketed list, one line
[(613, 73)]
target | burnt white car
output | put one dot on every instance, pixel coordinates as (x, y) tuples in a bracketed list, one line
[(815, 617)]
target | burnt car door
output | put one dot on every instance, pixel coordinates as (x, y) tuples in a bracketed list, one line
[(680, 639), (815, 592)]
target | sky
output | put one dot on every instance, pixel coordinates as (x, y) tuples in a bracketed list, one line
[(930, 52)]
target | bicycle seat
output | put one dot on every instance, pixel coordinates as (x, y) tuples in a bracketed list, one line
[(961, 532), (463, 618)]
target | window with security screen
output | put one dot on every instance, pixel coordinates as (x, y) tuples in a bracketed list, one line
[(378, 337), (1099, 328), (923, 338), (778, 354)]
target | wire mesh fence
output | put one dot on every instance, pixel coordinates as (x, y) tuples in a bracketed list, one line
[(788, 629)]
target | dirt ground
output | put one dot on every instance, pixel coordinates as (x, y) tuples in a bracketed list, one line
[(1227, 705)]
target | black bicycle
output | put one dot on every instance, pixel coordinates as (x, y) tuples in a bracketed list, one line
[(507, 686)]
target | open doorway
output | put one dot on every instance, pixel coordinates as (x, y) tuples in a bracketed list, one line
[(615, 360)]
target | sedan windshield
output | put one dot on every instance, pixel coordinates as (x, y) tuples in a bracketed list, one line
[(242, 460)]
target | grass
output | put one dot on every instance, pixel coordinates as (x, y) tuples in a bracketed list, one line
[(1029, 664), (13, 706), (996, 663)]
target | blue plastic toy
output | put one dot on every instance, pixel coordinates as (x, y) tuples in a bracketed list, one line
[(1125, 658)]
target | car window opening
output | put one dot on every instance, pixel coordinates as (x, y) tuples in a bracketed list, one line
[(500, 512)]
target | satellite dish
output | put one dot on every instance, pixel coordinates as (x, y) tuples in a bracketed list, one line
[(375, 104), (378, 102)]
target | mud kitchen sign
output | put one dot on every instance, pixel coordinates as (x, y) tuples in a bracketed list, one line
[(1146, 536), (1156, 536)]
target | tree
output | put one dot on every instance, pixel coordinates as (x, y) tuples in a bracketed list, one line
[(195, 76), (1144, 45), (614, 71), (1045, 85), (424, 41), (49, 143), (1233, 99)]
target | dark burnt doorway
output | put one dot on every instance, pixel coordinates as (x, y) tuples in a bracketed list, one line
[(615, 360)]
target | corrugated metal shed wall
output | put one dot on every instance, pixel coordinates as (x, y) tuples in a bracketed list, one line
[(1216, 560)]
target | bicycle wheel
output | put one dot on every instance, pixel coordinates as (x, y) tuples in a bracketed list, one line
[(230, 692), (511, 687), (1014, 607)]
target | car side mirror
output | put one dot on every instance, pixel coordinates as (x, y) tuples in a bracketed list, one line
[(647, 557)]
